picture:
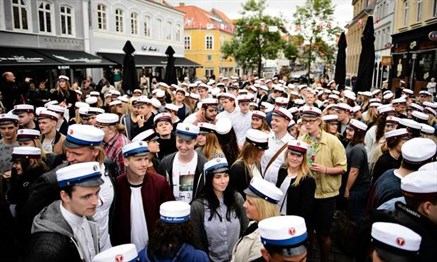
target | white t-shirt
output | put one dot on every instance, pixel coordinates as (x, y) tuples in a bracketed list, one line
[(47, 145), (138, 230), (183, 178), (284, 188)]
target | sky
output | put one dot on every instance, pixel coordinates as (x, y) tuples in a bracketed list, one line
[(343, 8)]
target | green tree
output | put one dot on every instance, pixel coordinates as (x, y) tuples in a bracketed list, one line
[(314, 22), (257, 36)]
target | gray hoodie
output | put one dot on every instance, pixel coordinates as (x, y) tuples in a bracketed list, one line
[(50, 220)]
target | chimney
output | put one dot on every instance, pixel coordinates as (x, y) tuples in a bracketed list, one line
[(181, 4)]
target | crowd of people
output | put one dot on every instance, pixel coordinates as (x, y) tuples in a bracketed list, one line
[(230, 169)]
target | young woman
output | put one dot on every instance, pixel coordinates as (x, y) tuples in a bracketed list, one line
[(173, 238), (393, 156), (259, 121), (262, 199), (217, 214), (331, 124), (248, 164), (207, 142), (63, 94), (357, 179), (297, 184), (151, 138)]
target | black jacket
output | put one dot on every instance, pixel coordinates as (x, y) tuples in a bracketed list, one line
[(166, 169), (239, 177), (300, 199)]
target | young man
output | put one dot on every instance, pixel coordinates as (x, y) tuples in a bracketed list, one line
[(82, 144), (184, 169), (241, 122), (139, 119), (139, 195), (62, 124), (327, 159), (167, 139), (184, 110), (26, 116), (283, 238), (274, 157), (51, 139), (64, 230), (344, 116), (207, 113), (227, 101), (8, 132)]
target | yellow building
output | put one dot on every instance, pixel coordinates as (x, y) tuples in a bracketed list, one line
[(205, 33)]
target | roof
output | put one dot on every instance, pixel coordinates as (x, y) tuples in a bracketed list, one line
[(198, 18)]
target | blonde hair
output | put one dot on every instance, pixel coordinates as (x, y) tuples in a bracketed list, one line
[(303, 170), (211, 146), (119, 128), (265, 209)]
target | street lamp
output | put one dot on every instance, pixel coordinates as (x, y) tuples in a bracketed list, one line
[(413, 56)]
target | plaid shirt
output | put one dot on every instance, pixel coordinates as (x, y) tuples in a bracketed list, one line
[(113, 150)]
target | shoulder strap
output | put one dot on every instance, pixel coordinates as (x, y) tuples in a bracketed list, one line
[(274, 158)]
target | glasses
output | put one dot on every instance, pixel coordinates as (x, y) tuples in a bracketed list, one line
[(307, 121)]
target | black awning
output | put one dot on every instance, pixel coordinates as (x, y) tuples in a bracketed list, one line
[(149, 60), (75, 58), (13, 57)]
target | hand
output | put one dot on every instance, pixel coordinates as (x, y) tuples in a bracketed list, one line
[(318, 168), (7, 174), (140, 121), (27, 79), (346, 193)]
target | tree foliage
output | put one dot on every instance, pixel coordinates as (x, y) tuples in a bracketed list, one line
[(315, 21), (257, 36)]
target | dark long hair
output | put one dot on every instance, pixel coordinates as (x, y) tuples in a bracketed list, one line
[(213, 202), (358, 137), (380, 126), (229, 145), (167, 239)]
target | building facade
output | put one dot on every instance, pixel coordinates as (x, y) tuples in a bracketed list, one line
[(414, 43), (205, 33)]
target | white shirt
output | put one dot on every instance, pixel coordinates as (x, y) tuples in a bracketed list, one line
[(275, 144), (82, 233), (138, 230), (106, 196), (183, 178), (284, 188), (230, 115), (241, 124)]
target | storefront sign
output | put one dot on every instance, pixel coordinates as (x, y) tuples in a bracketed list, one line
[(22, 59), (386, 60), (432, 36), (150, 48)]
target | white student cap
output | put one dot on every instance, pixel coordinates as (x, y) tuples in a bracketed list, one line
[(258, 138), (174, 212), (121, 253), (138, 148), (82, 174), (83, 135), (261, 188)]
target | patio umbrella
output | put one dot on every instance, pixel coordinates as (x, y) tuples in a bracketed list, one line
[(340, 63), (170, 70), (367, 58), (130, 76)]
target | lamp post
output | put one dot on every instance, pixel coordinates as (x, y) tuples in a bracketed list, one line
[(413, 56)]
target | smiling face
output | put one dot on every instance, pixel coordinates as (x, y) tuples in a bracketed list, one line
[(294, 160), (219, 182), (185, 147), (279, 124), (136, 165)]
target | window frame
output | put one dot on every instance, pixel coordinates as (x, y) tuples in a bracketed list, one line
[(119, 20), (50, 12), (71, 15), (168, 31), (211, 40), (103, 24), (20, 7), (187, 38), (178, 33), (405, 13), (134, 23), (158, 26)]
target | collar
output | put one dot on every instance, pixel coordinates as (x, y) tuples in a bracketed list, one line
[(113, 140), (71, 218), (287, 137)]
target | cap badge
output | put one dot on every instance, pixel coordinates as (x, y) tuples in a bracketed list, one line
[(140, 143), (187, 128), (119, 258), (21, 131), (298, 143), (291, 231), (70, 131), (400, 241), (218, 160), (95, 168)]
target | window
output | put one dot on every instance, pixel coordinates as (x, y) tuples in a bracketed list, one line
[(169, 26), (405, 21), (118, 20), (19, 11), (147, 26), (134, 23), (209, 42), (66, 20), (158, 28), (45, 17), (209, 57), (187, 42), (209, 72), (178, 33), (419, 10), (101, 17)]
